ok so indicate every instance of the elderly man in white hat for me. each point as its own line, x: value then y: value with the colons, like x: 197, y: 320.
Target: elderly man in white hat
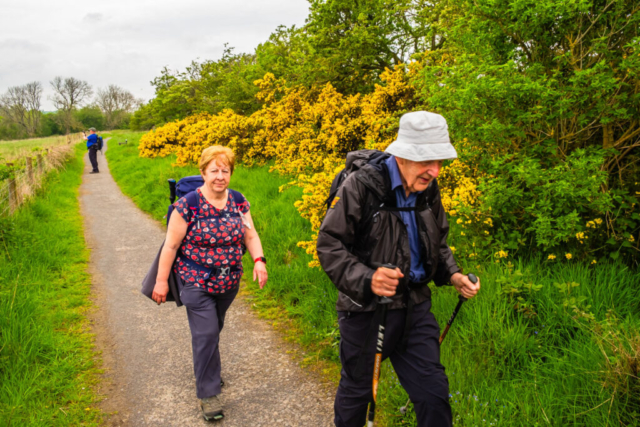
x: 385, y: 235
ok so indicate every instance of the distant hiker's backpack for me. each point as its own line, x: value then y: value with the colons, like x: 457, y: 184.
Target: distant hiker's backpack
x: 100, y: 143
x: 355, y: 161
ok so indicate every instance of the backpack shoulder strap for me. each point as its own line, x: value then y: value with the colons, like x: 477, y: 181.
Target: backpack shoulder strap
x: 192, y: 199
x: 397, y: 209
x: 238, y: 198
x: 192, y: 202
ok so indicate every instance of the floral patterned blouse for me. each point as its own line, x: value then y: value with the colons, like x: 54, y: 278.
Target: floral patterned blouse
x: 210, y: 255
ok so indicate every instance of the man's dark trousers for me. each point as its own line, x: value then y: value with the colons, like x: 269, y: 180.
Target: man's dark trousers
x: 418, y: 367
x: 93, y: 157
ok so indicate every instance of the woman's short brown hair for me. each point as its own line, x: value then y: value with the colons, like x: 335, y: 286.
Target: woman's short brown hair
x: 215, y: 152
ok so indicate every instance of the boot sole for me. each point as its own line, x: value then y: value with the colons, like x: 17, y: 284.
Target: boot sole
x: 216, y: 417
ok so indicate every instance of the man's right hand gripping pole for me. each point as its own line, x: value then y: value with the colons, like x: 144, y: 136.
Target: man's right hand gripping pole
x: 385, y: 280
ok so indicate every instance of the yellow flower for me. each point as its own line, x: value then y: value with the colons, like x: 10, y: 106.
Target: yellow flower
x: 453, y: 249
x: 593, y: 262
x: 462, y: 233
x: 486, y: 232
x: 551, y: 256
x: 459, y: 221
x: 569, y: 256
x: 501, y: 254
x: 598, y: 221
x: 591, y: 224
x: 631, y: 239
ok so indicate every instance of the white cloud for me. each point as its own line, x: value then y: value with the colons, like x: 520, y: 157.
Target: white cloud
x: 92, y: 18
x: 127, y: 43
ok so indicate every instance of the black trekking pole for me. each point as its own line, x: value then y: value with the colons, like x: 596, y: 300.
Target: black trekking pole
x: 383, y: 303
x: 461, y: 299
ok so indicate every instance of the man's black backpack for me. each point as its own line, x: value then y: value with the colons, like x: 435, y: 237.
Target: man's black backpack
x: 355, y: 161
x: 100, y: 143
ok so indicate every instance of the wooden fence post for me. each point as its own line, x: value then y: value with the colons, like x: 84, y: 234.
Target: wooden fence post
x: 13, y: 195
x: 32, y: 181
x: 40, y: 164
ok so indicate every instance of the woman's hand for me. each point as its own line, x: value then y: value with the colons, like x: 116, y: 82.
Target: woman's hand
x: 260, y: 272
x: 160, y: 291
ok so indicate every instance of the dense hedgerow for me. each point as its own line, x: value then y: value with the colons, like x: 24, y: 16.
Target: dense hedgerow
x: 542, y: 100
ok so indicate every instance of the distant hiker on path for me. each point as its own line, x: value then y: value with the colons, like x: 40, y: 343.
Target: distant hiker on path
x: 93, y: 147
x: 209, y: 237
x: 388, y: 211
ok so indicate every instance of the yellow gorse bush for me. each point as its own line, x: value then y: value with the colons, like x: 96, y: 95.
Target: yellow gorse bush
x: 308, y: 132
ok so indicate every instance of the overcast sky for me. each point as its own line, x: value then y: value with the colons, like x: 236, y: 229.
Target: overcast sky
x: 128, y: 42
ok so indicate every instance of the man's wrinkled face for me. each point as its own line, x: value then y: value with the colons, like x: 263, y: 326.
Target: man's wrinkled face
x: 416, y: 176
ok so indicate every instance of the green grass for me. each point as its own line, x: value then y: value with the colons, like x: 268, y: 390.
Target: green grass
x: 47, y: 366
x: 10, y: 150
x: 563, y: 365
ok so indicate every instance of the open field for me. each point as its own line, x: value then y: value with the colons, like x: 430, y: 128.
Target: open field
x: 10, y: 150
x: 544, y: 343
x: 47, y: 365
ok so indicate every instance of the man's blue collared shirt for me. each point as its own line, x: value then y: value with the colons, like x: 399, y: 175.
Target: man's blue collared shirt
x: 417, y: 273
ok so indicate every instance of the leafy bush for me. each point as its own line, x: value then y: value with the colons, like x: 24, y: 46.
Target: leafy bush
x: 545, y: 96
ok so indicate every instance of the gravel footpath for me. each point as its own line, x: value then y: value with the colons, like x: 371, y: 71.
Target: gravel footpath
x: 146, y: 349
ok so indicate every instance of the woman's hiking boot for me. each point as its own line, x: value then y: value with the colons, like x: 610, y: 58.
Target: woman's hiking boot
x: 211, y: 408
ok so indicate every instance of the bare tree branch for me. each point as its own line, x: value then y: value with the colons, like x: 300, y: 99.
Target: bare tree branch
x: 21, y: 105
x: 115, y: 103
x: 69, y: 94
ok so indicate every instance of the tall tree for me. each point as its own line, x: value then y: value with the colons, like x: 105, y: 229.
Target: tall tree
x: 21, y: 105
x: 354, y: 41
x: 69, y: 93
x: 115, y: 103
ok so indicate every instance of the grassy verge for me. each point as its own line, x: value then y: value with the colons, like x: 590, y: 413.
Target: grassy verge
x: 13, y: 149
x: 532, y: 349
x: 46, y: 361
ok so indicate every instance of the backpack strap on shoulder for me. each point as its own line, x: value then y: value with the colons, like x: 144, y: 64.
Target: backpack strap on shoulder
x: 192, y: 199
x: 192, y: 202
x: 238, y: 198
x: 394, y: 208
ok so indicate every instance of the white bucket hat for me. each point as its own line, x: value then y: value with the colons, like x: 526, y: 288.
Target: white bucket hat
x: 423, y: 136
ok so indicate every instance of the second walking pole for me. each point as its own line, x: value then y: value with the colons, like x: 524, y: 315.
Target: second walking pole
x: 461, y: 300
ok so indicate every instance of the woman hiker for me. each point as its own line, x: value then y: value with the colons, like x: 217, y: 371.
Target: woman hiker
x: 209, y: 264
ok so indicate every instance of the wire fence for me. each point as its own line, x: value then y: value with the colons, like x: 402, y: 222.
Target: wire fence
x: 26, y: 176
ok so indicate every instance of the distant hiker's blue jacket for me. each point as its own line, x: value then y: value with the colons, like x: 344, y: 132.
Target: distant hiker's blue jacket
x: 92, y: 139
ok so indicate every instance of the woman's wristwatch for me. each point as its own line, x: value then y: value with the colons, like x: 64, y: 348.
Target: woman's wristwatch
x: 260, y: 258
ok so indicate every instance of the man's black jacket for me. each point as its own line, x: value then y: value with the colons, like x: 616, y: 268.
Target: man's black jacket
x: 358, y: 234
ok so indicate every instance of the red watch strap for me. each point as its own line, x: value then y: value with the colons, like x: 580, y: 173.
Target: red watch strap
x: 258, y: 259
